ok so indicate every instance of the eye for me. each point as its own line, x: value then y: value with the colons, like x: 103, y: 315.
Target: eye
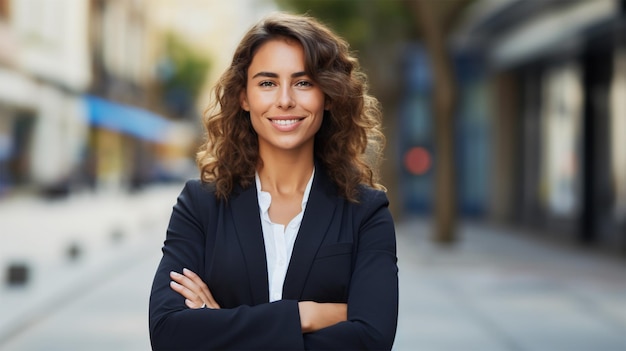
x: 266, y: 83
x: 304, y: 84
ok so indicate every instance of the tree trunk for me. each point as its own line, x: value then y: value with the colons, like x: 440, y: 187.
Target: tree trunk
x: 430, y: 21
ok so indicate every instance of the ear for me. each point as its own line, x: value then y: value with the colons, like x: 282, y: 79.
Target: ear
x: 327, y: 103
x: 243, y: 101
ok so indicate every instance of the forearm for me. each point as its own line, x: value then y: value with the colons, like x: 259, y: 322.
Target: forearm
x: 352, y: 335
x: 175, y: 325
x: 268, y: 326
x: 315, y: 316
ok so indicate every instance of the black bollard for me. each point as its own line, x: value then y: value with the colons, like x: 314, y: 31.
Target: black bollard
x: 73, y: 252
x: 17, y: 274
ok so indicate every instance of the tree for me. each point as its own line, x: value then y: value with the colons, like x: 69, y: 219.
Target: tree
x: 435, y: 20
x: 181, y: 72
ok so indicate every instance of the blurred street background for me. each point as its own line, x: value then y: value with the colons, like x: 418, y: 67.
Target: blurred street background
x: 505, y: 161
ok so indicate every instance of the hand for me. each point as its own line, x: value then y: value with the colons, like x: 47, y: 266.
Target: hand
x: 315, y: 316
x: 193, y: 289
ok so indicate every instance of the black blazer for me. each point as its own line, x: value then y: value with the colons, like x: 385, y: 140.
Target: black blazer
x: 344, y: 252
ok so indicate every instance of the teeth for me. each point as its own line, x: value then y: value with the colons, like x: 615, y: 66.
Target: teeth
x: 284, y: 122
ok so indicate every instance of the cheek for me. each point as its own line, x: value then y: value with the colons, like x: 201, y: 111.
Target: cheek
x: 317, y: 124
x: 260, y: 101
x: 319, y: 121
x: 315, y: 102
x: 256, y: 124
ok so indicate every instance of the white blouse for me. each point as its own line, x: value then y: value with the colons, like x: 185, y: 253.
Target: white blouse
x: 279, y: 240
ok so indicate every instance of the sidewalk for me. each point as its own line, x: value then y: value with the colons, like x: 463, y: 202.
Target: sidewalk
x: 495, y: 290
x: 107, y: 231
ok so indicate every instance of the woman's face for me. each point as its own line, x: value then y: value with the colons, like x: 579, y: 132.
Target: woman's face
x: 286, y: 107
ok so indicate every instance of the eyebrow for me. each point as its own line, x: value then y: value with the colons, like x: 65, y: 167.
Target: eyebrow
x: 274, y: 75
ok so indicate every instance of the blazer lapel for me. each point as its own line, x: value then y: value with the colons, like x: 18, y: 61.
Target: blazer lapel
x: 315, y: 222
x: 245, y: 210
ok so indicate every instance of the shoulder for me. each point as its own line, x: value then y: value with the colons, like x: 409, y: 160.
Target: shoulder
x: 196, y: 202
x: 200, y: 187
x: 371, y: 196
x: 371, y: 202
x: 367, y: 196
x: 373, y: 219
x: 198, y: 193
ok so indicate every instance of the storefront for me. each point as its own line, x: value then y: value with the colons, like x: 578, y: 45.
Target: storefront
x: 557, y: 70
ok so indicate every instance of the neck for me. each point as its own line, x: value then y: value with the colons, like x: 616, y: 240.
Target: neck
x: 285, y: 173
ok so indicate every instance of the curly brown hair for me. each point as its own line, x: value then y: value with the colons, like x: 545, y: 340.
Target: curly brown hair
x: 348, y: 144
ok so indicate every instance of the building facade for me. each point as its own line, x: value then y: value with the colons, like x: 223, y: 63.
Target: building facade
x: 81, y: 95
x: 556, y: 75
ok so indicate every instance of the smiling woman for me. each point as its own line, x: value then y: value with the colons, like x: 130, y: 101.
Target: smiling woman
x: 286, y: 242
x: 286, y: 108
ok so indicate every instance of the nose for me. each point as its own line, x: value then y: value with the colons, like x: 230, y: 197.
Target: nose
x: 285, y: 97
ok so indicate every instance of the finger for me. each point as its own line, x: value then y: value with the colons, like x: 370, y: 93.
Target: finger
x: 184, y: 280
x: 192, y: 285
x: 191, y: 275
x: 192, y: 300
x: 187, y: 283
x: 194, y: 305
x: 195, y: 279
x: 207, y: 295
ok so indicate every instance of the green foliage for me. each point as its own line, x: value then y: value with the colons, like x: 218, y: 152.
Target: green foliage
x: 188, y: 68
x: 182, y: 72
x: 363, y: 23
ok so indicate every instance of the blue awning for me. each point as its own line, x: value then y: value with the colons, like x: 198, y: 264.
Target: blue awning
x: 126, y: 119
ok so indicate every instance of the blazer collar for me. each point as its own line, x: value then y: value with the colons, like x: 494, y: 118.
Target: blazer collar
x: 317, y: 217
x: 245, y: 210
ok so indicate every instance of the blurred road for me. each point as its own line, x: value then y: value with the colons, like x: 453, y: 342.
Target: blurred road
x: 496, y: 290
x: 96, y: 300
x: 492, y: 291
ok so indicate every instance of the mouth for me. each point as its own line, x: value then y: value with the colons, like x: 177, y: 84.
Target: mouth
x: 286, y: 122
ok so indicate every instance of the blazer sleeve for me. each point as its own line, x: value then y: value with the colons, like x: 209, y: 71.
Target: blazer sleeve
x: 173, y: 326
x: 373, y: 293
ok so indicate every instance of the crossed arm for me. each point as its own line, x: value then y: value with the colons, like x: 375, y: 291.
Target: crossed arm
x: 313, y: 315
